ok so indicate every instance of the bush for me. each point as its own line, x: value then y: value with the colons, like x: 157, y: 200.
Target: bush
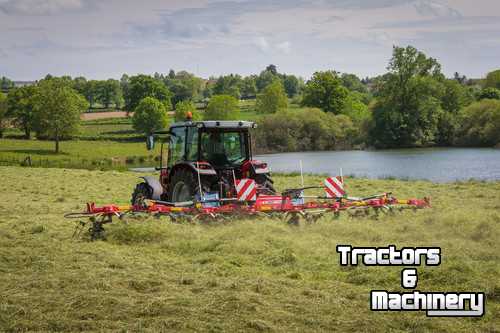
x: 493, y: 79
x: 222, y: 107
x: 305, y: 130
x: 480, y: 124
x: 489, y: 93
x: 149, y: 116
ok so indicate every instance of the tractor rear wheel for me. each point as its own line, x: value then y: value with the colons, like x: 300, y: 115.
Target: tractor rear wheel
x: 142, y: 192
x: 183, y: 186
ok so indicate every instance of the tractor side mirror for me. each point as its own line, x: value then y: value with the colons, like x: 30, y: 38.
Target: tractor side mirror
x: 150, y: 142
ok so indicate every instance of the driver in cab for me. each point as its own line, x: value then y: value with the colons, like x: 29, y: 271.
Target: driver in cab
x: 213, y: 149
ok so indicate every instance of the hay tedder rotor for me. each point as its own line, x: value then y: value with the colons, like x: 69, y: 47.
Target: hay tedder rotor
x: 208, y: 174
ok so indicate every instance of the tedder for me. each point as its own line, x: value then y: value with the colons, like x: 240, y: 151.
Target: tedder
x: 207, y: 173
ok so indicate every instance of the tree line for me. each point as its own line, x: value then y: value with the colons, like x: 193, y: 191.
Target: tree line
x: 412, y: 105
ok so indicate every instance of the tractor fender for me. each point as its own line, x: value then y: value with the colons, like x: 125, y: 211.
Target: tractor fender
x: 204, y: 168
x: 155, y: 185
x: 258, y: 167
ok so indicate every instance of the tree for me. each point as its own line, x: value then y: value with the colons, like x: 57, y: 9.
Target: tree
x: 353, y: 83
x: 325, y: 91
x: 265, y: 78
x: 109, y: 92
x: 272, y: 99
x: 150, y: 115
x: 171, y: 74
x: 3, y: 112
x: 273, y: 69
x: 184, y: 86
x: 20, y: 108
x: 90, y: 92
x: 493, y: 79
x: 222, y: 107
x: 79, y: 84
x: 182, y: 108
x: 408, y: 104
x: 142, y: 86
x: 208, y: 91
x: 228, y: 85
x: 416, y: 124
x: 489, y: 93
x: 57, y: 109
x: 125, y: 86
x: 480, y: 124
x: 248, y: 87
x: 291, y: 85
x: 355, y: 108
x: 455, y: 96
x: 6, y: 84
x: 462, y: 79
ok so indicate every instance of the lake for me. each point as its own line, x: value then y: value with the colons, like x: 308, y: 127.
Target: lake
x: 435, y: 164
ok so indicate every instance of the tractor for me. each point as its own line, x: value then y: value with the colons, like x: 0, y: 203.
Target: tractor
x: 203, y: 161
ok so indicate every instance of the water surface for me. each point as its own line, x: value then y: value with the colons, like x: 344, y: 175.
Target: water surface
x: 435, y: 164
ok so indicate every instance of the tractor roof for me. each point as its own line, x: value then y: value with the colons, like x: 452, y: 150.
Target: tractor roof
x: 216, y: 124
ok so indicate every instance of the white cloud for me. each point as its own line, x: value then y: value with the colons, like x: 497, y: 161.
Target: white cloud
x: 435, y: 9
x: 266, y: 47
x: 262, y: 44
x: 284, y: 47
x: 39, y: 7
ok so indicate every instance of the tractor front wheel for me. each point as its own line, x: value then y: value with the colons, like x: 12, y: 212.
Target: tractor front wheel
x: 142, y: 192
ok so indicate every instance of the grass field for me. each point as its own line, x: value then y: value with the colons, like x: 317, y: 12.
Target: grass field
x: 249, y: 275
x: 79, y: 154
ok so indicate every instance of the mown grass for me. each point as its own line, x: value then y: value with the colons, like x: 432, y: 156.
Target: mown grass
x: 247, y: 275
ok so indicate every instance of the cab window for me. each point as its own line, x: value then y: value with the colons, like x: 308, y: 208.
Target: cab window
x: 177, y: 145
x: 192, y: 144
x: 223, y: 148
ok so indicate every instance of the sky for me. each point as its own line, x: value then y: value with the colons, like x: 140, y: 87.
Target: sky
x: 105, y: 38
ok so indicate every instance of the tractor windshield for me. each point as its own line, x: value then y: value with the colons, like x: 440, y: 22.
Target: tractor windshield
x: 222, y: 148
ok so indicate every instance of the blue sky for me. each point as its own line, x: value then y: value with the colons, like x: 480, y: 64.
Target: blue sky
x: 101, y: 39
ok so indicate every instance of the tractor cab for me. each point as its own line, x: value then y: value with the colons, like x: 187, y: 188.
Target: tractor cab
x: 203, y: 157
x: 222, y: 144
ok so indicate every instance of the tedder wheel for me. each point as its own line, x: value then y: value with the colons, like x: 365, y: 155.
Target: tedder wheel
x: 142, y: 191
x: 183, y: 186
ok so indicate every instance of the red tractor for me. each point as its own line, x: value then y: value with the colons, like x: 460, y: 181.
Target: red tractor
x: 203, y: 161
